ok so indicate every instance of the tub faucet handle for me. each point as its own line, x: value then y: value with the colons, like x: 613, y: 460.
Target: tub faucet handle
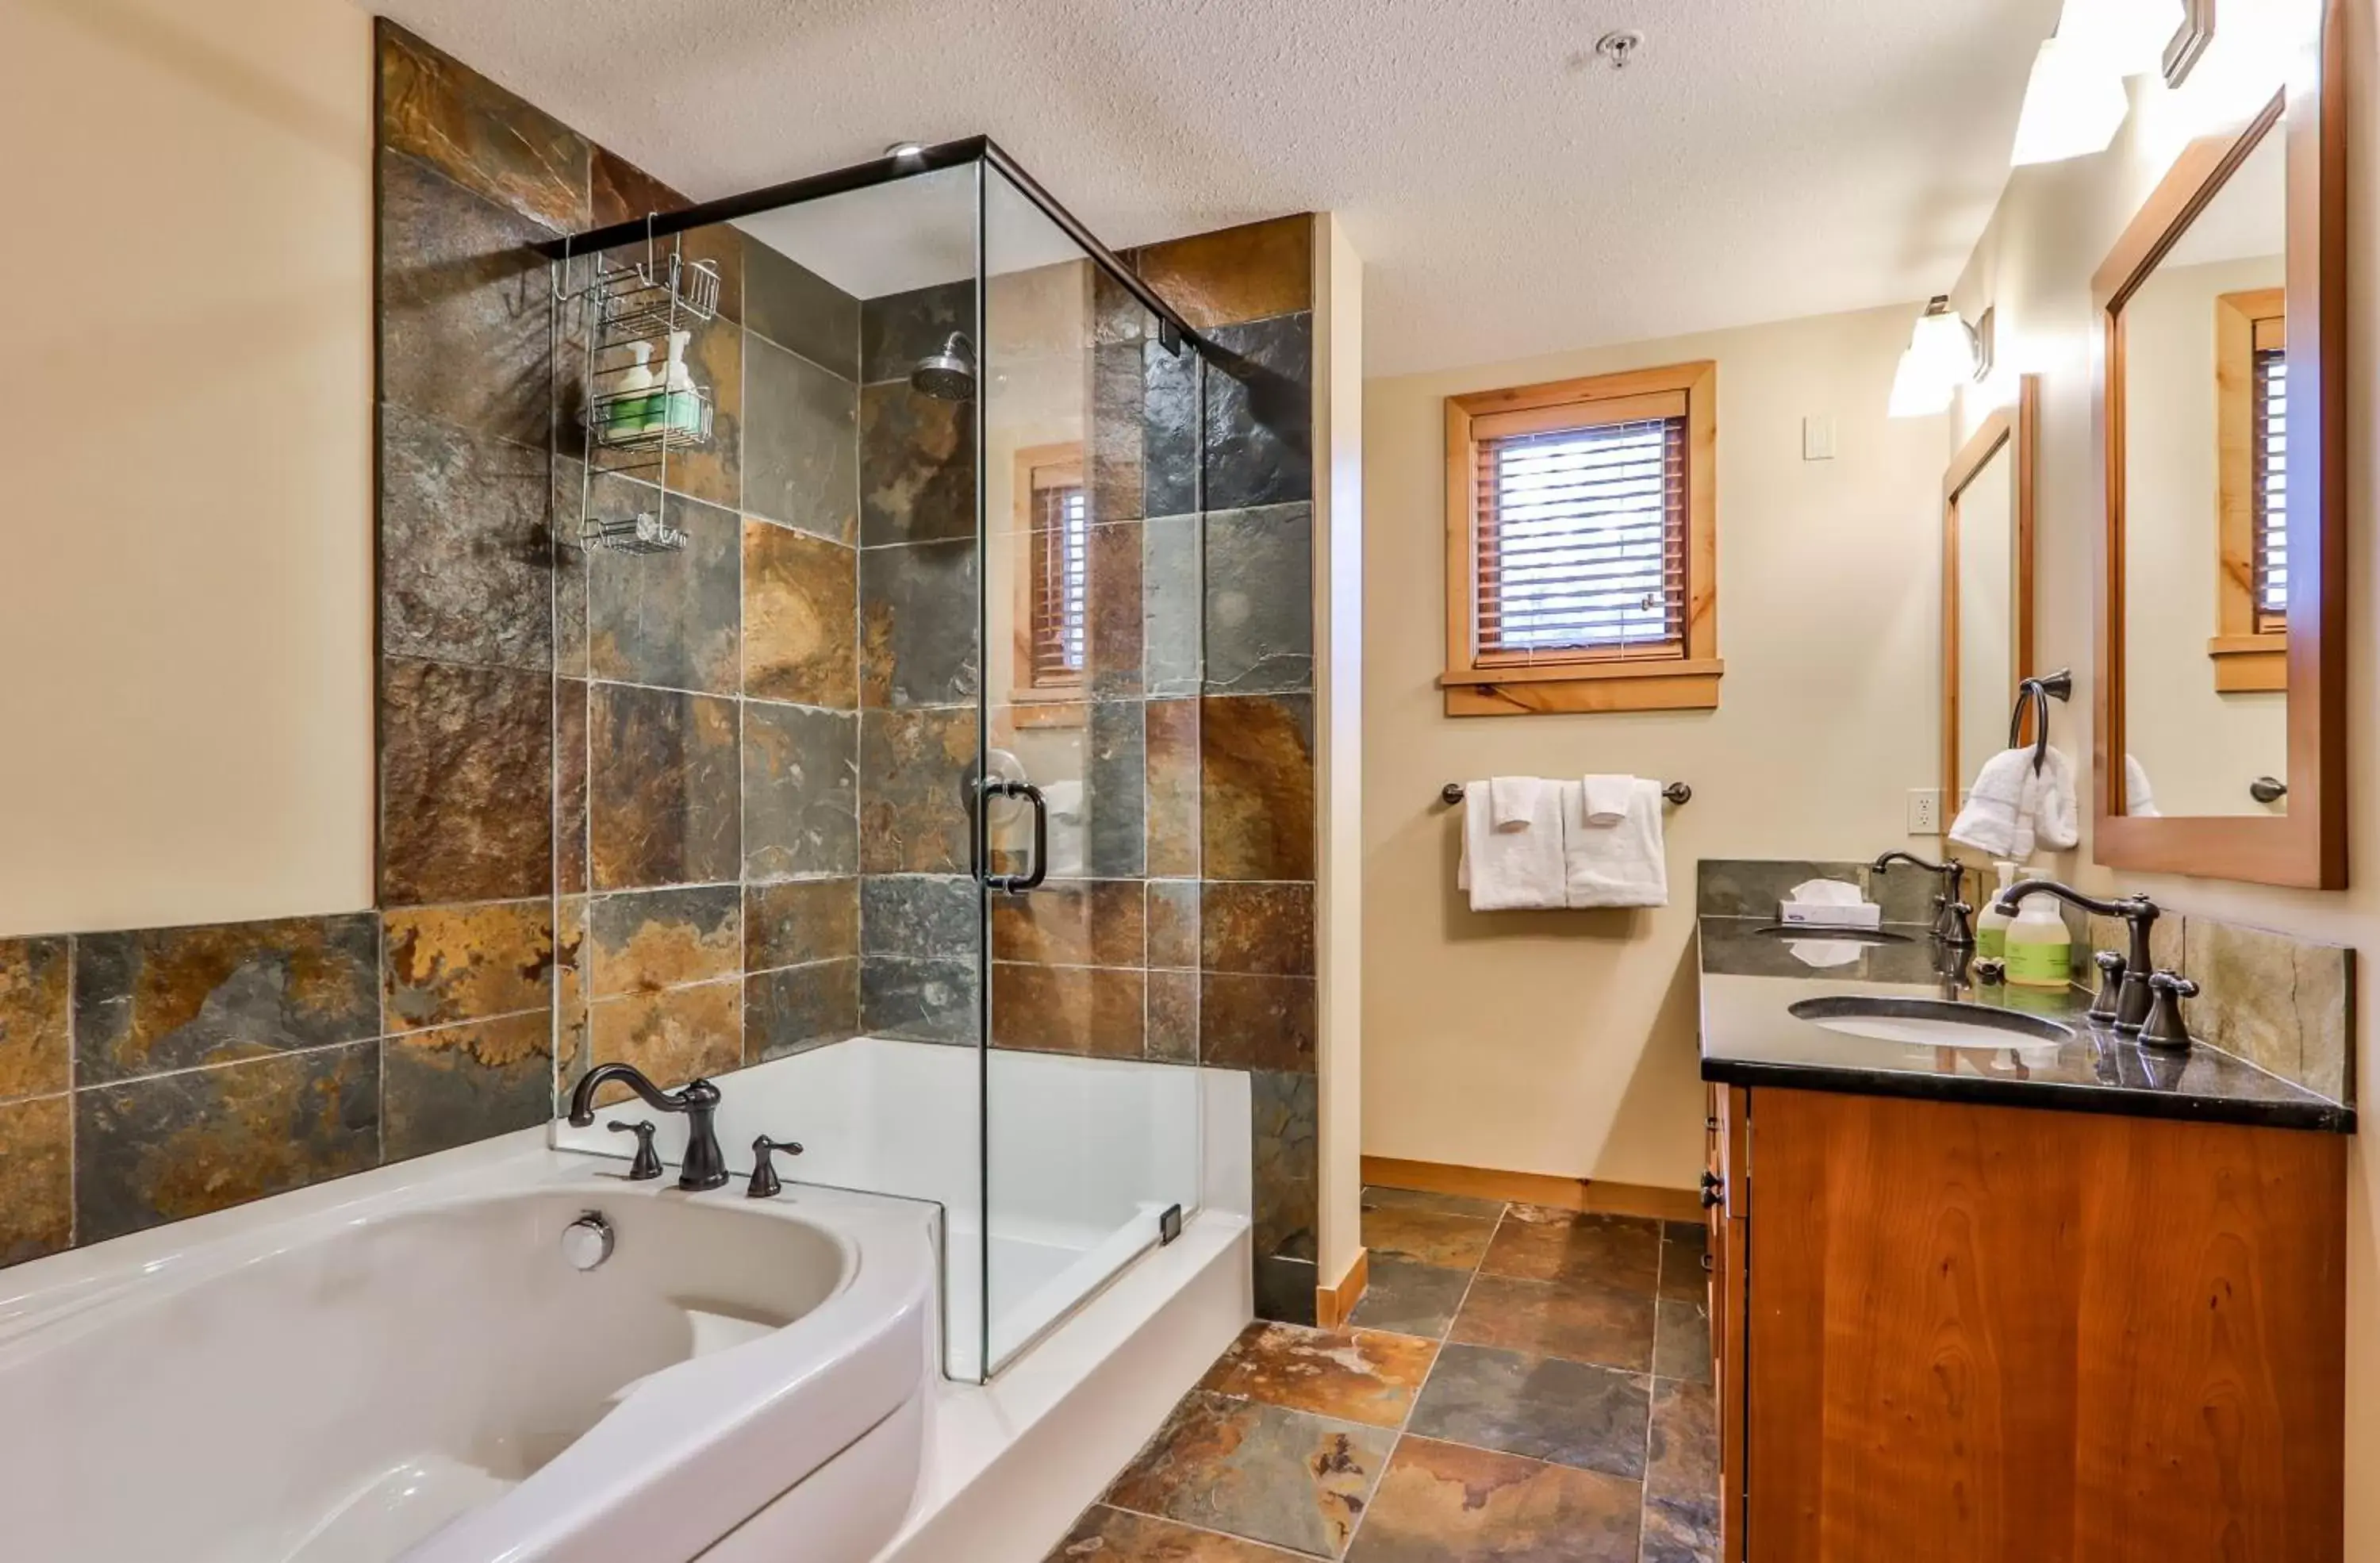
x: 765, y: 1183
x: 648, y: 1163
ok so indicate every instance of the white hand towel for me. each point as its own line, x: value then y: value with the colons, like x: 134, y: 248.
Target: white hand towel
x: 1512, y: 871
x: 2139, y: 801
x: 1607, y: 798
x: 1622, y: 865
x: 1513, y: 801
x: 2056, y: 819
x: 1997, y: 818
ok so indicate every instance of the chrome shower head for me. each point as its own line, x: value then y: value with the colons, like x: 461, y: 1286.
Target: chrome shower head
x: 948, y: 373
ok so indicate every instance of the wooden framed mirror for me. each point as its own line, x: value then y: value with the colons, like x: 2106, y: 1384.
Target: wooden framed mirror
x: 1986, y: 586
x: 2219, y: 740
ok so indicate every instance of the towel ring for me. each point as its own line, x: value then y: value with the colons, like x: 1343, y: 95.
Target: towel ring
x: 1676, y: 792
x: 2035, y: 694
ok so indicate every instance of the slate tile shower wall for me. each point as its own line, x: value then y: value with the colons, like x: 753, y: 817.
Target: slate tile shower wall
x: 1230, y: 754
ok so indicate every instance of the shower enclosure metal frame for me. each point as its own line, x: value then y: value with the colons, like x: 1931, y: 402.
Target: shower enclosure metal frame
x: 1176, y: 331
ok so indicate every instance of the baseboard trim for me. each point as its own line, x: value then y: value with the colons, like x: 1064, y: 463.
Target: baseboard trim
x: 1333, y: 1305
x: 1533, y: 1188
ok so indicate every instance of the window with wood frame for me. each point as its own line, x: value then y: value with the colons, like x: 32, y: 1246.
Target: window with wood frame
x: 2251, y: 643
x: 1052, y: 603
x: 1582, y: 546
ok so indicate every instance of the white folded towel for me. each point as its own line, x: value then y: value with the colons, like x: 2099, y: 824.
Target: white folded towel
x: 1513, y: 801
x: 1619, y: 864
x: 1512, y: 871
x: 1997, y: 818
x: 1606, y: 798
x: 2139, y: 802
x: 2056, y: 817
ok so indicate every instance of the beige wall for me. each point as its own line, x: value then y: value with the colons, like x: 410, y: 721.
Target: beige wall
x: 2053, y: 226
x: 1563, y: 1042
x: 186, y: 589
x: 1339, y: 394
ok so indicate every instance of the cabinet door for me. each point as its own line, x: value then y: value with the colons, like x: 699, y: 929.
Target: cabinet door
x: 1980, y: 1335
x: 1726, y: 1132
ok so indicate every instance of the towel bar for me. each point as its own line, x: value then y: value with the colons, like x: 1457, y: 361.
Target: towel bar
x: 1676, y: 792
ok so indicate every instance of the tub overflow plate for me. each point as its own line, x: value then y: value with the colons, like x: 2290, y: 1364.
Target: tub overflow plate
x: 586, y: 1241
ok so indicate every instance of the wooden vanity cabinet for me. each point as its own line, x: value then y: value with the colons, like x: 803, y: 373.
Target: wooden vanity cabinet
x: 1987, y: 1333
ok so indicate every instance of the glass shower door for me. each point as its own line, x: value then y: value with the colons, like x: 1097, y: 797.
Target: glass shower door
x: 1091, y: 632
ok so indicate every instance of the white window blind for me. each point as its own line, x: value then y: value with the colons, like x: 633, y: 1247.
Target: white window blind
x: 1061, y: 583
x: 1581, y: 544
x: 2270, y: 455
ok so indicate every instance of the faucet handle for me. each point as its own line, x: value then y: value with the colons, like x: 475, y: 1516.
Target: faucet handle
x: 2111, y: 983
x: 2165, y: 1028
x: 648, y: 1163
x: 1956, y: 931
x: 765, y: 1182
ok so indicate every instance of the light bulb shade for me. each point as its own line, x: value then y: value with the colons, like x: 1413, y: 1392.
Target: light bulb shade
x: 1917, y: 392
x: 1944, y: 344
x: 2073, y: 105
x: 2125, y: 37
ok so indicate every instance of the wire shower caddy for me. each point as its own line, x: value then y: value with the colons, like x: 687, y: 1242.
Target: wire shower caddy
x: 633, y: 419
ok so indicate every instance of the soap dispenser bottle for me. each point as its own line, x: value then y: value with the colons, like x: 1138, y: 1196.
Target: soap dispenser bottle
x: 685, y: 416
x: 2038, y: 945
x: 1991, y: 928
x: 631, y: 411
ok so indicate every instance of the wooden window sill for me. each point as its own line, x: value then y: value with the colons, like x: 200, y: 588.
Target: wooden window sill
x: 2250, y: 663
x: 1678, y: 685
x: 1047, y: 711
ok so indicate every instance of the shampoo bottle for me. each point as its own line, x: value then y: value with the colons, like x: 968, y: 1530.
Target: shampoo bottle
x: 1991, y: 925
x: 684, y: 407
x: 631, y: 411
x: 2038, y: 944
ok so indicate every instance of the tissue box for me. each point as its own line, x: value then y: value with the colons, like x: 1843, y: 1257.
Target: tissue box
x: 1833, y: 914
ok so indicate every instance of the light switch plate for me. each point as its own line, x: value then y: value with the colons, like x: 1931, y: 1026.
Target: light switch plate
x: 1924, y: 811
x: 1817, y: 438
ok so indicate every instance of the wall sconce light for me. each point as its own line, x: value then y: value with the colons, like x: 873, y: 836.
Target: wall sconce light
x: 2189, y: 41
x: 2073, y: 105
x: 1941, y: 355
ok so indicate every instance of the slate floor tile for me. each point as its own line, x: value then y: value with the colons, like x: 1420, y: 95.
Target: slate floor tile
x: 1546, y: 1408
x: 1428, y: 1236
x: 1118, y: 1536
x: 1377, y: 1195
x: 1581, y: 1319
x: 1411, y: 1298
x: 1442, y: 1503
x: 1360, y: 1375
x: 1682, y: 1342
x: 1285, y: 1477
x: 1540, y: 1244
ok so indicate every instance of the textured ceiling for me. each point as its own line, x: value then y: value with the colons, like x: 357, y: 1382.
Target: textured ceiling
x: 1508, y: 192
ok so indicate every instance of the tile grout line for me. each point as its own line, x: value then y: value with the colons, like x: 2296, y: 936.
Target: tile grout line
x: 1645, y: 1483
x: 1403, y: 1427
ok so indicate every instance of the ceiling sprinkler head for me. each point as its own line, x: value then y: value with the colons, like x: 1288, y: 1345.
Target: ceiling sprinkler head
x: 1620, y: 47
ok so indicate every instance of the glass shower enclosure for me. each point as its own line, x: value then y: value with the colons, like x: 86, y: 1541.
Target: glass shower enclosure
x: 881, y: 634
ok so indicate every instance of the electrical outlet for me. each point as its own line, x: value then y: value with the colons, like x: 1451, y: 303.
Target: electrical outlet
x: 1924, y: 811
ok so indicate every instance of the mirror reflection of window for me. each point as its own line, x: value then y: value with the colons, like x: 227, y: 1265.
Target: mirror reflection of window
x: 2205, y: 507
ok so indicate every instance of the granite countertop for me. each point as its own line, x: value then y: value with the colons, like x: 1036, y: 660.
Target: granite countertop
x: 1748, y: 1039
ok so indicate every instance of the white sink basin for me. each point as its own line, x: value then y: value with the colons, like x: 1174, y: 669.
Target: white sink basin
x: 1929, y: 1023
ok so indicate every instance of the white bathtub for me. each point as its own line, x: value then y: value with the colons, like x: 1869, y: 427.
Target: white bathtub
x: 1085, y: 1155
x: 403, y: 1366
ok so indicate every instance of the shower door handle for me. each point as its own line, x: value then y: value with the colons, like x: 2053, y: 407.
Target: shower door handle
x: 1017, y: 884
